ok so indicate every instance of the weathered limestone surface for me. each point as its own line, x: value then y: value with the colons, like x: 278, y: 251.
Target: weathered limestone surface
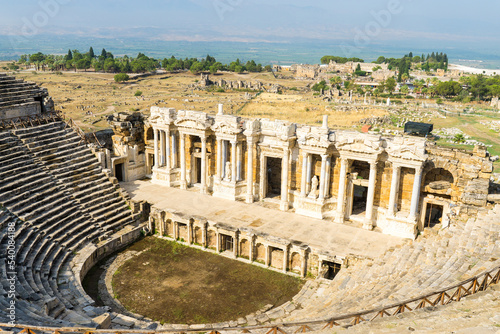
x: 386, y: 182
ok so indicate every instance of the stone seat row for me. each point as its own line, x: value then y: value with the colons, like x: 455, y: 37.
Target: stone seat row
x: 427, y: 265
x: 65, y: 204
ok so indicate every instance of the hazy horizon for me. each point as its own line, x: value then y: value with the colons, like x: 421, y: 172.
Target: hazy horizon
x: 357, y: 28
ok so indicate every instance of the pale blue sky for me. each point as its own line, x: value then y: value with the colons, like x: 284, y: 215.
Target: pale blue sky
x: 259, y: 20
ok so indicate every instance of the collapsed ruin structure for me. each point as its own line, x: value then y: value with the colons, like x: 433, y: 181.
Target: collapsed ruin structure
x: 19, y: 98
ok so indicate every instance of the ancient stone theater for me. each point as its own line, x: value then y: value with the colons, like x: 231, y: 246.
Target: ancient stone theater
x: 379, y: 225
x: 396, y: 183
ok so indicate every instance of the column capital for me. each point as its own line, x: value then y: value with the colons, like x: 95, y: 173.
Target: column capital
x: 324, y: 156
x: 396, y: 165
x: 419, y: 169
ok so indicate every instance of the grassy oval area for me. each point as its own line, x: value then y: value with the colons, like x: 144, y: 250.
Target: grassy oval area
x: 173, y: 283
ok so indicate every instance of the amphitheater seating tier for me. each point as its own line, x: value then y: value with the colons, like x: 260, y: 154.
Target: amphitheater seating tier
x: 52, y: 187
x: 16, y: 91
x: 435, y: 261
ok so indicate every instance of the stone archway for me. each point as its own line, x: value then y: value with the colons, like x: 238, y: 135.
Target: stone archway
x: 438, y: 181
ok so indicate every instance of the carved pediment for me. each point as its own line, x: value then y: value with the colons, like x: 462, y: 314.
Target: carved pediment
x: 406, y: 153
x: 366, y: 147
x: 279, y: 129
x: 227, y: 128
x: 314, y: 139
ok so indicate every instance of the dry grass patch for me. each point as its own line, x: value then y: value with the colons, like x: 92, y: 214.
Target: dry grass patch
x: 172, y: 283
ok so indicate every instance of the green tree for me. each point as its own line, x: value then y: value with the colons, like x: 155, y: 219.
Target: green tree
x: 91, y: 53
x: 320, y: 86
x: 196, y: 68
x: 459, y: 138
x: 390, y: 85
x: 405, y: 89
x: 215, y: 67
x: 336, y: 80
x: 83, y: 64
x: 69, y: 56
x: 121, y: 77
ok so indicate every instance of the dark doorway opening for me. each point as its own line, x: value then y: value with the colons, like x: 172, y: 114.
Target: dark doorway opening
x: 331, y: 269
x: 433, y: 215
x: 273, y: 177
x: 227, y: 243
x: 198, y: 170
x: 359, y: 199
x: 119, y: 172
x: 39, y: 99
x: 151, y: 158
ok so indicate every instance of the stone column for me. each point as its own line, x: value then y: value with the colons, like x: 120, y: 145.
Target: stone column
x: 303, y: 185
x: 342, y: 189
x: 268, y: 254
x: 415, y: 196
x: 162, y: 148
x: 168, y: 157
x: 368, y: 224
x: 233, y: 161
x: 160, y: 227
x: 217, y: 241
x: 238, y: 161
x: 263, y: 173
x: 309, y: 173
x: 157, y: 157
x: 190, y: 232
x: 285, y: 258
x: 183, y: 161
x: 204, y: 188
x: 174, y: 150
x: 219, y: 159
x: 251, y: 248
x: 235, y: 244
x: 204, y: 235
x: 396, y: 171
x: 328, y: 176
x: 303, y: 267
x: 176, y: 229
x: 250, y: 144
x: 284, y: 181
x: 322, y: 180
x: 224, y: 158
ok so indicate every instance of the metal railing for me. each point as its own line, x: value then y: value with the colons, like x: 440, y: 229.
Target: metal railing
x: 441, y: 297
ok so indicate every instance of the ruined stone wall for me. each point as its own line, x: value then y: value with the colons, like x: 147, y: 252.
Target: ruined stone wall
x: 471, y: 173
x: 21, y: 110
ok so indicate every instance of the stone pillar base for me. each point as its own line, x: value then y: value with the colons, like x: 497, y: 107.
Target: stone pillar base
x: 368, y: 225
x: 204, y: 189
x: 249, y: 199
x: 284, y: 206
x: 183, y: 185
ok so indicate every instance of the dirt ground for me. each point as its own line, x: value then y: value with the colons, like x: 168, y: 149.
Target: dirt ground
x: 172, y: 283
x: 88, y: 97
